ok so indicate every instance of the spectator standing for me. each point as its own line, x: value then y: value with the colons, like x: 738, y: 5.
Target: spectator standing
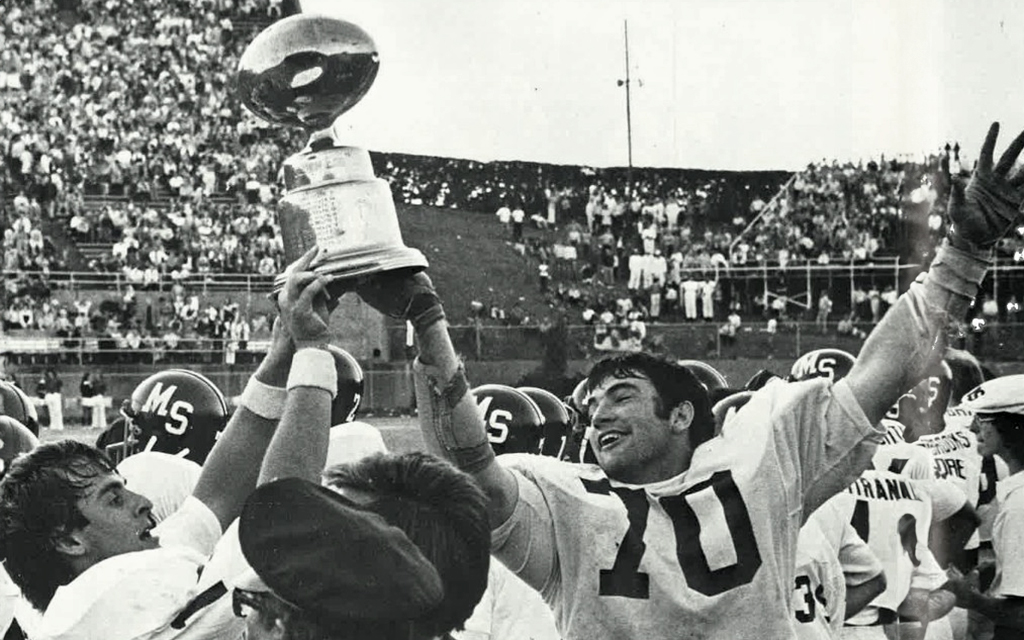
x: 545, y: 277
x: 87, y: 391
x: 52, y: 387
x: 689, y: 289
x: 518, y: 217
x: 505, y: 218
x: 824, y: 309
x: 707, y: 290
x: 875, y: 301
x: 1012, y: 309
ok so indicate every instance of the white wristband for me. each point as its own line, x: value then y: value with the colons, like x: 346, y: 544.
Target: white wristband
x: 313, y: 367
x: 263, y: 400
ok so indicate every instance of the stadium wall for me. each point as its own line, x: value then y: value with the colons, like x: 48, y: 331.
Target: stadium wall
x: 388, y: 387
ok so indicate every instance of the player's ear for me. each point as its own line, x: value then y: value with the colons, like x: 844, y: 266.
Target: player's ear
x: 681, y: 417
x: 69, y: 543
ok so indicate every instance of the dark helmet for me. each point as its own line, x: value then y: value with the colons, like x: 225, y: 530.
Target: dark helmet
x: 922, y: 409
x: 14, y: 403
x: 15, y: 440
x: 350, y: 386
x: 729, y: 405
x: 514, y: 421
x: 175, y: 411
x: 760, y: 379
x: 558, y: 422
x: 708, y: 375
x: 833, y: 364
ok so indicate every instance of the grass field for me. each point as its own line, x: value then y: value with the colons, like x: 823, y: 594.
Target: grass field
x: 400, y: 434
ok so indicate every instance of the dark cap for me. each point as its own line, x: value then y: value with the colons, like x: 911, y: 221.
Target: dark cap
x: 333, y: 560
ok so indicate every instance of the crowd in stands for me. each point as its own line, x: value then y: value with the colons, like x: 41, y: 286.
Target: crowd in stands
x: 122, y: 124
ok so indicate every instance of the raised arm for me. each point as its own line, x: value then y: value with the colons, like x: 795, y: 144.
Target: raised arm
x: 299, y: 446
x: 913, y: 333
x: 451, y: 422
x: 233, y: 467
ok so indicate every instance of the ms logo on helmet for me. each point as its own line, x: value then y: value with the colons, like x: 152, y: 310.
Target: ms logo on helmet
x: 160, y: 403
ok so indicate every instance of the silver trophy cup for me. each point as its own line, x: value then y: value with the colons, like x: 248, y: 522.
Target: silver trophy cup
x: 305, y: 71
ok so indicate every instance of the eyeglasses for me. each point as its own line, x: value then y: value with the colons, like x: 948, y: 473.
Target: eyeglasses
x: 244, y: 602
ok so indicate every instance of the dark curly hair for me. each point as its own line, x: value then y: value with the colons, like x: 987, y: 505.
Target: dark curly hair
x: 674, y: 384
x: 443, y: 512
x: 38, y: 504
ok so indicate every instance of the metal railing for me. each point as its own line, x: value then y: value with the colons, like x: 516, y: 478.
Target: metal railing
x: 998, y: 341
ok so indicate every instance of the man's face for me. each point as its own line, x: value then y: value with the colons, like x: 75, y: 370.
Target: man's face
x: 989, y: 441
x: 120, y: 521
x: 632, y: 443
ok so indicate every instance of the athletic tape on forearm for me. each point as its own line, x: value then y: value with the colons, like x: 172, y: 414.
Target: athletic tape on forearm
x: 953, y: 279
x: 314, y: 368
x: 959, y: 271
x: 424, y: 310
x: 263, y: 400
x: 936, y: 301
x: 451, y: 418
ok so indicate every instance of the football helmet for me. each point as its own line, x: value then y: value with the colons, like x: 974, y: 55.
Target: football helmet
x: 514, y: 421
x: 577, y: 446
x: 557, y: 421
x: 350, y: 386
x: 760, y: 379
x: 727, y: 406
x: 922, y: 409
x: 833, y: 364
x: 14, y: 403
x: 15, y: 440
x: 175, y: 411
x: 708, y: 375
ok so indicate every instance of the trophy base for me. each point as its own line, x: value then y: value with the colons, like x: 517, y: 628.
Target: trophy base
x: 343, y: 271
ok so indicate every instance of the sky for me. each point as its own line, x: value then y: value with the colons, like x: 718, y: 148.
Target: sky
x: 715, y: 84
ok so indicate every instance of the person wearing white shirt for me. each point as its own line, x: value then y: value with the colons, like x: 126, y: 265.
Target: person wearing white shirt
x: 998, y: 408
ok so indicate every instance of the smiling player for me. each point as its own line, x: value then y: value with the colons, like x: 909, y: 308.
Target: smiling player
x: 676, y: 533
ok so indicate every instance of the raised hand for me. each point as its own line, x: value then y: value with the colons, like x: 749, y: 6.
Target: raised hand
x: 305, y: 304
x: 403, y: 295
x: 989, y: 205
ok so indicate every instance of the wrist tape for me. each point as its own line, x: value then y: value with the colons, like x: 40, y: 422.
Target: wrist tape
x: 957, y: 271
x: 424, y: 310
x: 314, y: 368
x: 263, y: 400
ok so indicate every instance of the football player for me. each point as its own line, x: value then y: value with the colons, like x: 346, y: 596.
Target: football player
x: 837, y: 574
x: 558, y: 422
x: 15, y: 617
x: 350, y: 386
x: 676, y: 531
x: 894, y: 514
x: 509, y: 608
x: 15, y: 404
x: 85, y: 549
x: 893, y: 453
x: 177, y: 411
x: 514, y: 422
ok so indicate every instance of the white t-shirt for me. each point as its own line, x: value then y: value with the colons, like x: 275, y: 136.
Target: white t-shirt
x: 713, y: 548
x: 509, y: 610
x: 1008, y: 537
x: 137, y: 595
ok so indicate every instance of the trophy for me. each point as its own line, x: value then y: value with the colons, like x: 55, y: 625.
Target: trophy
x: 305, y: 71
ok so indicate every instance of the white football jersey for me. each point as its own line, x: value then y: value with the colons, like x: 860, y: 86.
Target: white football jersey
x: 829, y: 554
x: 893, y: 514
x: 710, y: 553
x: 905, y: 459
x: 956, y: 459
